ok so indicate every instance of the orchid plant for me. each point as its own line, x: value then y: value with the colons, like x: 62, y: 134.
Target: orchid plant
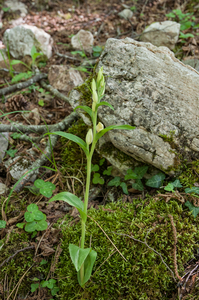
x: 84, y: 258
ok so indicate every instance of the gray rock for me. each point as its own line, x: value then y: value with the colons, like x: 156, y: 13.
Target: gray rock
x: 152, y: 90
x: 162, y: 34
x: 83, y: 40
x: 3, y: 144
x: 17, y: 5
x: 3, y: 188
x: 22, y: 38
x: 18, y: 169
x: 126, y: 14
x: 193, y: 62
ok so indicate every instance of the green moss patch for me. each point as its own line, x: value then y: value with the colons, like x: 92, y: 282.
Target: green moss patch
x: 143, y: 276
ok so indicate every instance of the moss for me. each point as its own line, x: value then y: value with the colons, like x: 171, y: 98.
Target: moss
x: 143, y: 276
x: 190, y: 174
x: 169, y: 139
x: 18, y: 265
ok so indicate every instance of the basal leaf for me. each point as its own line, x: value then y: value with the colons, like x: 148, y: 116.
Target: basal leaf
x: 156, y: 181
x: 78, y: 255
x: 73, y: 138
x: 88, y: 267
x: 70, y: 199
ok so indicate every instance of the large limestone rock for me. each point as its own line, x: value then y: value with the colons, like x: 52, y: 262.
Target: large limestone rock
x: 162, y: 34
x: 152, y: 90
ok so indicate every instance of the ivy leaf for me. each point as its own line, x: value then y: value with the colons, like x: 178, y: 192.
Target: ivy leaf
x: 169, y: 187
x: 156, y: 181
x: 124, y: 188
x: 194, y: 189
x: 177, y: 183
x: 138, y: 185
x: 194, y: 210
x: 140, y: 171
x: 130, y: 175
x: 34, y: 286
x: 115, y: 181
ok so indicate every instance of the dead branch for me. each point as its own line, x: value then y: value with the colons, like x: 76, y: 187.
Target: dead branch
x: 22, y: 85
x: 54, y: 91
x: 12, y: 256
x: 16, y: 127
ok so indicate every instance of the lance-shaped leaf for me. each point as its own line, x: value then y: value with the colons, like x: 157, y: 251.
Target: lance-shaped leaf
x: 86, y: 109
x: 72, y: 200
x: 105, y: 103
x: 78, y: 255
x: 88, y: 267
x: 102, y: 132
x: 73, y: 138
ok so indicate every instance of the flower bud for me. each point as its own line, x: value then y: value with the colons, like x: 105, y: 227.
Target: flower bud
x: 93, y: 106
x: 95, y: 96
x: 89, y: 137
x: 100, y: 75
x: 93, y: 85
x: 99, y: 127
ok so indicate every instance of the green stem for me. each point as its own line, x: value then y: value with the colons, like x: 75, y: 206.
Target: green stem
x: 88, y: 178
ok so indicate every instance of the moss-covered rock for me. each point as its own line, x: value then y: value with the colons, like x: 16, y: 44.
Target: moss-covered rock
x: 143, y: 276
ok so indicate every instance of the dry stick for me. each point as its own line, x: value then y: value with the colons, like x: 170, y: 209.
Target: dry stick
x: 174, y: 250
x: 16, y: 127
x: 67, y: 57
x: 18, y: 284
x: 12, y: 256
x: 108, y: 238
x: 54, y: 91
x: 22, y: 85
x: 145, y: 243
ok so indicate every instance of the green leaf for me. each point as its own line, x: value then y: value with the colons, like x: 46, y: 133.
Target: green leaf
x: 185, y: 25
x: 97, y: 179
x: 11, y: 152
x: 30, y: 227
x: 73, y: 138
x: 94, y: 168
x: 124, y: 188
x: 101, y: 162
x: 15, y: 62
x: 156, y: 181
x: 2, y: 224
x: 20, y: 225
x: 86, y: 109
x: 33, y: 234
x: 39, y: 183
x: 41, y: 102
x: 177, y: 183
x: 130, y: 175
x: 29, y: 217
x: 194, y: 210
x: 15, y: 135
x: 104, y: 103
x: 41, y: 225
x: 38, y: 215
x: 138, y: 185
x: 21, y: 76
x: 108, y: 171
x: 194, y: 190
x: 185, y: 36
x: 32, y: 207
x: 169, y: 187
x: 33, y: 189
x: 54, y: 291
x: 34, y: 286
x: 33, y: 50
x: 69, y: 198
x: 88, y: 267
x: 140, y: 171
x: 97, y: 49
x: 115, y: 181
x: 121, y: 127
x: 43, y: 262
x: 78, y: 255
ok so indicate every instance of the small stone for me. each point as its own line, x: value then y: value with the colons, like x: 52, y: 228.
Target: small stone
x: 83, y: 40
x: 126, y: 14
x: 3, y: 188
x: 17, y: 5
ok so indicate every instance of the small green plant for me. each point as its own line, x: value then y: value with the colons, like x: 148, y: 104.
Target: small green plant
x: 97, y: 50
x: 50, y: 284
x: 81, y: 53
x: 45, y: 188
x: 84, y: 258
x: 156, y: 181
x: 170, y: 187
x: 194, y: 191
x: 36, y: 220
x: 2, y: 224
x: 11, y: 152
x: 186, y: 22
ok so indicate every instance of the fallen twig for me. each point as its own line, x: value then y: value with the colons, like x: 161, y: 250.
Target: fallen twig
x: 22, y: 85
x: 54, y: 91
x: 12, y: 256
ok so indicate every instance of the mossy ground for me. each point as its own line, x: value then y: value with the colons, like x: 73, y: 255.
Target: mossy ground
x: 143, y: 276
